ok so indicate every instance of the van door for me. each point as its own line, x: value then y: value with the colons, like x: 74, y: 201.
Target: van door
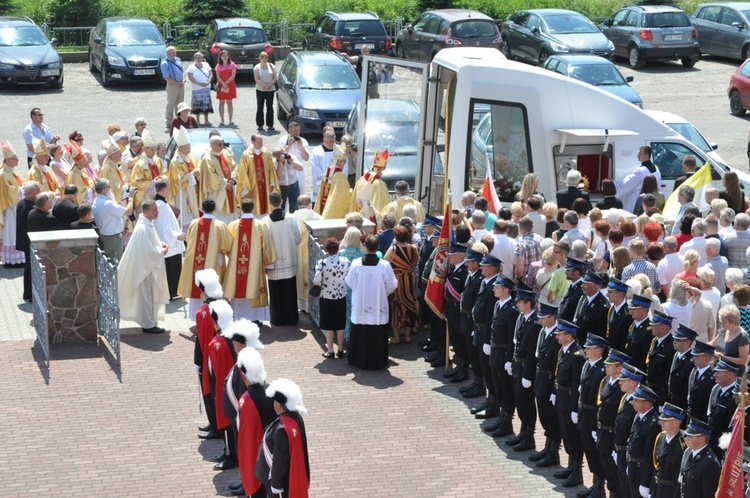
x: 668, y: 156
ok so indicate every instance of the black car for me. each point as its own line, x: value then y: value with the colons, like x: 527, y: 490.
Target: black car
x: 243, y: 38
x: 348, y: 33
x: 26, y: 55
x: 127, y: 49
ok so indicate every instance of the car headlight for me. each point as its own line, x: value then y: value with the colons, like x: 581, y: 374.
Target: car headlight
x: 115, y: 61
x: 558, y: 47
x: 54, y: 65
x: 610, y: 46
x: 306, y: 113
x: 6, y: 66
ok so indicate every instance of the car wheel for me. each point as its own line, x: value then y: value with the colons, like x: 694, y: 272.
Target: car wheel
x: 735, y: 104
x: 106, y: 80
x: 92, y: 66
x: 58, y: 83
x: 543, y: 55
x: 280, y: 112
x: 400, y: 51
x: 634, y: 58
x: 506, y: 49
x: 689, y: 62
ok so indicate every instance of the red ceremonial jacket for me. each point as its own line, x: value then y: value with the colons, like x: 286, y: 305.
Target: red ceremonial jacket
x: 222, y: 357
x: 205, y: 329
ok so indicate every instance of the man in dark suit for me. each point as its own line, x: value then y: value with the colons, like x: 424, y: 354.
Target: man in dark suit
x: 610, y: 395
x: 40, y: 219
x: 30, y: 190
x: 66, y: 208
x: 618, y: 316
x: 700, y: 381
x: 642, y: 440
x: 659, y: 359
x: 570, y: 361
x: 700, y: 470
x: 629, y: 378
x: 523, y: 368
x: 639, y: 334
x: 670, y: 446
x: 574, y: 271
x: 566, y: 196
x: 544, y: 387
x: 591, y: 379
x: 592, y: 309
x: 468, y: 299
x: 454, y: 287
x: 682, y: 365
x: 688, y: 167
x: 482, y: 313
x: 721, y: 404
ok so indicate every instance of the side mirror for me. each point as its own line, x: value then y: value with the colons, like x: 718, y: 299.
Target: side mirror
x: 740, y: 26
x: 310, y: 29
x: 409, y: 28
x: 607, y: 22
x: 713, y: 145
x: 288, y: 85
x: 629, y: 79
x: 170, y: 39
x: 97, y: 40
x: 53, y: 42
x: 535, y: 30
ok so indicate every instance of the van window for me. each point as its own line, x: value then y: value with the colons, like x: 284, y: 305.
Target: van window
x: 710, y: 13
x: 501, y: 141
x: 474, y: 29
x: 666, y: 20
x: 667, y: 156
x: 729, y: 16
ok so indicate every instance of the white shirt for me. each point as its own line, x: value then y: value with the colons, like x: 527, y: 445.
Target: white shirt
x: 168, y: 229
x: 540, y: 223
x: 319, y: 161
x: 33, y: 131
x: 669, y: 267
x: 505, y: 251
x: 370, y: 288
x: 108, y: 216
x: 698, y: 244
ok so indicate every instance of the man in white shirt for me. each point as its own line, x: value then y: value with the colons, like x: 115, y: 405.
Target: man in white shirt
x: 698, y: 242
x: 287, y: 169
x: 534, y: 211
x: 670, y: 265
x: 36, y: 129
x: 108, y: 216
x: 296, y: 146
x: 726, y: 219
x: 505, y: 248
x: 169, y: 231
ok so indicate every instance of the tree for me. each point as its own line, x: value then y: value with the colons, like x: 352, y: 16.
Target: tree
x: 6, y: 7
x: 75, y: 12
x: 202, y: 11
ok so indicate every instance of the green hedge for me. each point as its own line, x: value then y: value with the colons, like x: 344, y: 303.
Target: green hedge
x: 299, y: 11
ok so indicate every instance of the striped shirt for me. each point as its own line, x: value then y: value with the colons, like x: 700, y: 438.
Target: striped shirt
x: 642, y: 266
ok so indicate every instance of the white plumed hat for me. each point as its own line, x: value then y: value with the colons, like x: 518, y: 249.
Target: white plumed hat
x: 245, y: 332
x: 288, y: 394
x: 251, y: 365
x: 222, y: 313
x: 208, y: 281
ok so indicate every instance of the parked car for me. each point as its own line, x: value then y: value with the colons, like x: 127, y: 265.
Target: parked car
x: 26, y: 55
x: 723, y: 29
x: 348, y: 33
x: 739, y: 90
x: 316, y: 89
x: 596, y: 71
x: 644, y: 33
x: 199, y: 143
x: 439, y: 29
x: 533, y: 35
x: 243, y: 38
x: 689, y: 132
x: 127, y: 48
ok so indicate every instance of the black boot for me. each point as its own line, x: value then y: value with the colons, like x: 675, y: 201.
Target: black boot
x: 461, y: 376
x: 565, y: 472
x: 586, y: 492
x: 471, y: 386
x: 478, y: 390
x: 576, y: 476
x: 527, y: 443
x: 492, y: 427
x: 538, y: 455
x: 512, y: 441
x: 487, y: 402
x: 506, y: 427
x: 599, y: 490
x: 552, y: 458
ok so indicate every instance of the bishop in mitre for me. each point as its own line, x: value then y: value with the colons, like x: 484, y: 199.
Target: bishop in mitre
x: 184, y: 174
x: 218, y: 176
x: 147, y: 170
x: 256, y: 178
x: 78, y: 175
x: 245, y: 279
x: 142, y: 276
x: 11, y: 185
x: 111, y: 170
x: 39, y: 170
x: 370, y: 193
x: 334, y: 187
x: 304, y: 214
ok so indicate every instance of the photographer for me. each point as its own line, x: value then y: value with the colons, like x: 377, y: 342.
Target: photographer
x: 108, y: 216
x: 287, y: 167
x: 295, y: 145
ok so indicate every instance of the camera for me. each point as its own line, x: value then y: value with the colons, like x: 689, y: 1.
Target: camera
x: 226, y: 144
x: 295, y: 138
x: 354, y: 147
x: 287, y: 157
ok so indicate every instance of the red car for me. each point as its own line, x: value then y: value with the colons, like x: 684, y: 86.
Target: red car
x: 739, y: 90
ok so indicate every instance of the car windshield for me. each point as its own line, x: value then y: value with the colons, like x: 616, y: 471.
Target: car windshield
x: 328, y: 78
x: 691, y: 133
x: 21, y: 36
x: 597, y: 74
x: 666, y: 20
x: 474, y: 29
x: 566, y: 24
x: 362, y: 28
x: 125, y: 36
x: 745, y: 14
x: 241, y: 36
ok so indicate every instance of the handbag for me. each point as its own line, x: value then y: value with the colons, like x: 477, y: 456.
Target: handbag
x: 315, y: 290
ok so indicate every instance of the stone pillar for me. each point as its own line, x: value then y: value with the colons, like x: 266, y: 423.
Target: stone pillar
x: 69, y: 258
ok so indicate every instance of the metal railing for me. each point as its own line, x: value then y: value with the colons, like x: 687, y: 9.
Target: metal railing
x: 108, y: 309
x: 39, y: 302
x: 315, y: 254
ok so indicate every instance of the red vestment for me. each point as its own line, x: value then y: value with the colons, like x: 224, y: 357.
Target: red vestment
x: 249, y: 439
x: 260, y: 182
x: 205, y: 329
x: 222, y: 361
x: 299, y: 482
x: 201, y: 247
x: 245, y: 237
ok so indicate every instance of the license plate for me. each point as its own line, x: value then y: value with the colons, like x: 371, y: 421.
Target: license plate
x: 244, y: 66
x: 360, y: 46
x: 336, y: 124
x: 672, y: 37
x: 144, y: 72
x: 50, y: 72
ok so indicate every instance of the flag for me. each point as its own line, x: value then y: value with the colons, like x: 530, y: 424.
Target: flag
x: 700, y: 181
x: 732, y: 480
x: 434, y: 295
x: 489, y: 192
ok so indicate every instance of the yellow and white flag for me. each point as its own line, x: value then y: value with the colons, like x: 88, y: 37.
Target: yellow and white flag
x: 700, y: 181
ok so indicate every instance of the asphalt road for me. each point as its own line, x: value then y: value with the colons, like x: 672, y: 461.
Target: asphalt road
x: 698, y: 94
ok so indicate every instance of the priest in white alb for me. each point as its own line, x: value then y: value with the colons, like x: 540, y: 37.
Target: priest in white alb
x: 170, y: 232
x: 245, y: 278
x: 10, y: 195
x: 141, y: 274
x: 183, y: 179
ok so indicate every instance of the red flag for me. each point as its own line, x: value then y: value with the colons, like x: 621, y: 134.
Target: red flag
x: 435, y: 293
x: 732, y: 481
x: 489, y: 192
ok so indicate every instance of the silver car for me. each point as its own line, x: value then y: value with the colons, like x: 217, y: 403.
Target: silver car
x: 723, y: 29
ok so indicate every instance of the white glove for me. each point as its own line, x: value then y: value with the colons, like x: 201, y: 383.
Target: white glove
x: 508, y: 368
x: 552, y: 399
x: 574, y: 417
x: 594, y: 436
x: 277, y: 491
x: 486, y: 349
x: 197, y: 368
x: 643, y: 490
x: 526, y: 383
x: 614, y: 456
